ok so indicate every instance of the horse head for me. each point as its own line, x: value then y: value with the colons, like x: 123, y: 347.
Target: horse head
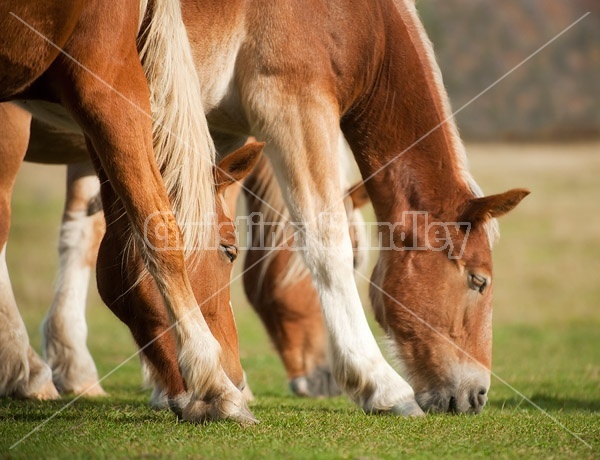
x: 221, y: 255
x: 436, y: 304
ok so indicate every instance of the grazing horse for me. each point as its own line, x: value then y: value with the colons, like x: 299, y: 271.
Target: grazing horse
x: 273, y: 284
x: 142, y: 115
x: 82, y: 229
x: 292, y: 74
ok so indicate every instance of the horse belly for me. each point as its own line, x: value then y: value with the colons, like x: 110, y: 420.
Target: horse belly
x: 55, y: 137
x: 50, y: 113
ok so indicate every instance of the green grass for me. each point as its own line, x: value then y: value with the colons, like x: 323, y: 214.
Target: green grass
x: 546, y: 345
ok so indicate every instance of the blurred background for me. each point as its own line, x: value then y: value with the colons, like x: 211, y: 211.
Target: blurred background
x: 552, y: 97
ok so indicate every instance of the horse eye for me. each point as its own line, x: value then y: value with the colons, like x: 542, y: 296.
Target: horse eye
x: 230, y: 251
x: 477, y: 282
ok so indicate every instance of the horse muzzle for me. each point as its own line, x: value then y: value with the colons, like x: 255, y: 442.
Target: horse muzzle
x: 465, y: 395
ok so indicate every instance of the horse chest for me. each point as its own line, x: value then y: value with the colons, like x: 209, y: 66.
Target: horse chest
x: 219, y: 80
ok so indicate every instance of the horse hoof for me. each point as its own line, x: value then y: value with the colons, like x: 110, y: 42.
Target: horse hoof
x: 408, y: 409
x: 318, y: 384
x: 221, y: 408
x: 47, y: 392
x: 299, y: 386
x: 89, y: 390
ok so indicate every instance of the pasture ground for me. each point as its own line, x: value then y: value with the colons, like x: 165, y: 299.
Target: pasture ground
x: 546, y: 344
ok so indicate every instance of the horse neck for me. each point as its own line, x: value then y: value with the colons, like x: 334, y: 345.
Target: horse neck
x: 404, y: 113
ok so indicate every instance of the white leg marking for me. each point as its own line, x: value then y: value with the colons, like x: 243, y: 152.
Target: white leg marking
x: 357, y: 363
x: 213, y: 396
x: 22, y: 372
x: 65, y: 328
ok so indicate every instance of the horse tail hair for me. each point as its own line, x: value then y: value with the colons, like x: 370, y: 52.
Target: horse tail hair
x: 183, y: 147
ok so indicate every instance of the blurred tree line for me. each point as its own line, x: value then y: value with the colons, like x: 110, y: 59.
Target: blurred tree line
x: 553, y: 96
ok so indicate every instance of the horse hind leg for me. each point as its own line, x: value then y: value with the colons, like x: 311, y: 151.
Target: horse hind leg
x: 65, y: 328
x: 305, y: 161
x: 22, y: 372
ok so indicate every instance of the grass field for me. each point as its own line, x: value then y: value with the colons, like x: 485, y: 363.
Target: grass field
x: 546, y: 344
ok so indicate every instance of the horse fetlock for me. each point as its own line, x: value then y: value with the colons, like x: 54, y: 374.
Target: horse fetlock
x: 38, y: 383
x: 199, y: 355
x: 73, y: 369
x: 228, y: 406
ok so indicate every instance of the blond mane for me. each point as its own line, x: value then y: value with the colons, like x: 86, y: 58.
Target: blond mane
x: 183, y: 147
x: 458, y: 148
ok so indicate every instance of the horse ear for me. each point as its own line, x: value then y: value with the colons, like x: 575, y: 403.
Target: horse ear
x: 237, y: 165
x: 358, y: 194
x: 479, y: 210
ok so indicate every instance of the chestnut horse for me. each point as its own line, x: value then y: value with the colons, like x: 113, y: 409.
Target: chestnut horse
x: 294, y: 322
x: 292, y: 74
x: 79, y: 61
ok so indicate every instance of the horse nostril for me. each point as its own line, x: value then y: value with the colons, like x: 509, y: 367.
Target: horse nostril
x: 477, y: 400
x: 482, y: 397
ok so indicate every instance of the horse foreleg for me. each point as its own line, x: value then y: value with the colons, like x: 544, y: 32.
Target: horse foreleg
x: 22, y: 372
x: 281, y: 292
x: 65, y: 328
x: 305, y: 159
x: 120, y: 138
